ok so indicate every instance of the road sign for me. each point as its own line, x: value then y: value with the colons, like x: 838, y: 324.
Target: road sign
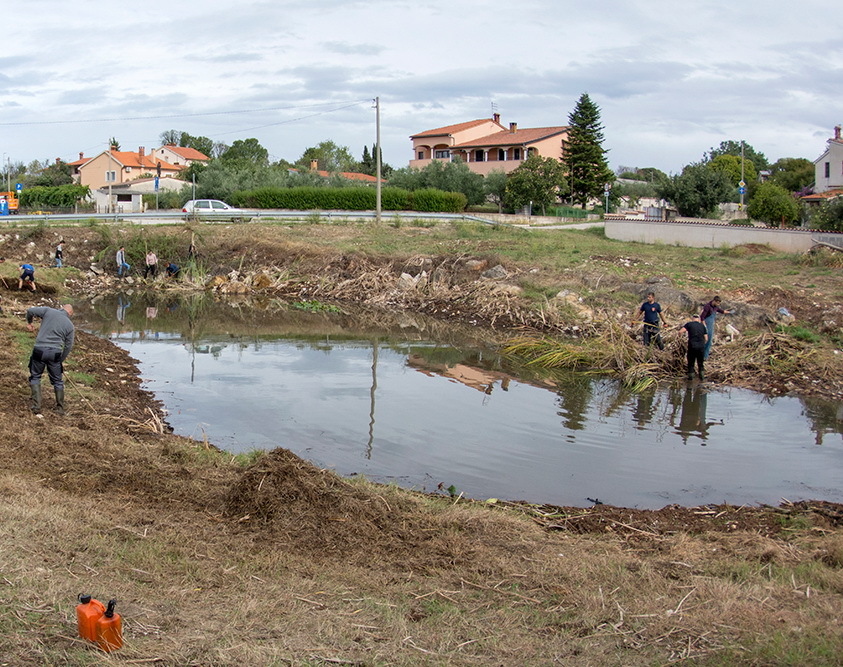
x: 742, y: 184
x: 742, y: 190
x: 18, y: 186
x: 156, y: 184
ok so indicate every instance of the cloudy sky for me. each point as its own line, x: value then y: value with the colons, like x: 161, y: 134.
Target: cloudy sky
x: 672, y: 79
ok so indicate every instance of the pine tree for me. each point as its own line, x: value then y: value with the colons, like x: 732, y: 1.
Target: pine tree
x: 584, y: 157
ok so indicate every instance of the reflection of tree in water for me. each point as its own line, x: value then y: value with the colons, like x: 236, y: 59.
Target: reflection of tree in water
x: 575, y: 392
x: 825, y: 416
x: 693, y: 420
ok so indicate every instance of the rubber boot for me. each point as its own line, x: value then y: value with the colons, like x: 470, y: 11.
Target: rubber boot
x: 35, y: 389
x: 59, y: 400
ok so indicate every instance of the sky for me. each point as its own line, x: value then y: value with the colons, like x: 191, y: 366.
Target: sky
x: 672, y: 79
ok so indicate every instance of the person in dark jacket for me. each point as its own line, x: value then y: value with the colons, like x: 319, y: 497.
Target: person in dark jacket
x: 653, y: 320
x: 173, y: 270
x: 52, y: 345
x: 27, y: 276
x: 697, y: 339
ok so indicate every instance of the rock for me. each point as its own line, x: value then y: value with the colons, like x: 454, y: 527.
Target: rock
x: 497, y: 272
x: 512, y: 290
x: 406, y: 282
x: 476, y: 264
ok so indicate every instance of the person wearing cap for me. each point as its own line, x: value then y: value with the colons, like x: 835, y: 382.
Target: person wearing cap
x: 52, y: 346
x: 697, y: 339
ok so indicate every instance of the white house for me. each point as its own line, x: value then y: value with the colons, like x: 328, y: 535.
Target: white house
x: 828, y: 167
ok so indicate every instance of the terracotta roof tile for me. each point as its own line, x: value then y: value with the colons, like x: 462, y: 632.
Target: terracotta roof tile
x: 187, y: 153
x: 451, y: 129
x: 821, y: 196
x: 526, y: 135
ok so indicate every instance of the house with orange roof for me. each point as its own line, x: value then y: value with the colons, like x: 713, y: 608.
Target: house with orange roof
x: 113, y: 167
x: 485, y: 145
x: 828, y: 167
x: 180, y: 155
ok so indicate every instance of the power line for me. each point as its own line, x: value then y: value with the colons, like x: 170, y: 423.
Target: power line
x: 189, y: 115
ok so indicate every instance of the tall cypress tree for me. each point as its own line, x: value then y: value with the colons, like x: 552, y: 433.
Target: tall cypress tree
x: 584, y: 157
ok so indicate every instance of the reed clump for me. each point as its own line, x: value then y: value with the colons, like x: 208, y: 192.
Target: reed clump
x: 610, y: 350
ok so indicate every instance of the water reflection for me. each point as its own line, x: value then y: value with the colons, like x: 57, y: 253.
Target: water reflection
x: 692, y: 420
x: 401, y: 398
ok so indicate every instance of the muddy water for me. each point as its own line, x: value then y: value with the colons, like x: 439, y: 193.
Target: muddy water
x: 403, y: 399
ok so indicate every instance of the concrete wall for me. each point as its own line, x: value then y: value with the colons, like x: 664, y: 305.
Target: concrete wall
x: 705, y: 235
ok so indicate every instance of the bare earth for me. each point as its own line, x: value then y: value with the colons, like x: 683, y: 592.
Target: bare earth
x: 217, y: 561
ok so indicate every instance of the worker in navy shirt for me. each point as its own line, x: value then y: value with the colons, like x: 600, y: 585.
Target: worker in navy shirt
x: 653, y: 319
x: 697, y: 339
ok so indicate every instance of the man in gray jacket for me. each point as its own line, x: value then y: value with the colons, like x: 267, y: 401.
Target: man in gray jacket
x: 52, y: 345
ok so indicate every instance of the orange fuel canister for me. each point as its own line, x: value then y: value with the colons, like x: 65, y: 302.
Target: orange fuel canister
x: 109, y: 629
x: 88, y: 612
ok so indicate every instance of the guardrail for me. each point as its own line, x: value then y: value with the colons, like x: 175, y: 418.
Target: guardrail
x: 177, y: 217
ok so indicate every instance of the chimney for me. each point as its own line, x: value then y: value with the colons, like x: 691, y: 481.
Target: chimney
x: 58, y: 160
x: 513, y: 127
x: 837, y: 133
x: 141, y: 151
x: 81, y: 155
x: 314, y: 165
x: 496, y: 117
x: 113, y: 148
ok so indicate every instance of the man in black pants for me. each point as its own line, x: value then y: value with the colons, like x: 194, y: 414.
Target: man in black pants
x: 52, y: 345
x: 697, y: 338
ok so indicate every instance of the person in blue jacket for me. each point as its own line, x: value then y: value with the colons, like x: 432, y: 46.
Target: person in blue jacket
x: 708, y: 315
x: 27, y: 276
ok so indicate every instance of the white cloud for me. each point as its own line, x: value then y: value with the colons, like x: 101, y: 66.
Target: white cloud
x: 671, y: 79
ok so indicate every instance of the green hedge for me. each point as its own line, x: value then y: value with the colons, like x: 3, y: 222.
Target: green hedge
x: 60, y: 196
x: 349, y: 199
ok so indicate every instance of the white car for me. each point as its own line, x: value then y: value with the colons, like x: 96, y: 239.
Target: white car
x: 199, y: 206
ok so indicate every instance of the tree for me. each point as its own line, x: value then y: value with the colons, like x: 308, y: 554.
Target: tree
x: 829, y: 216
x: 368, y: 164
x: 113, y: 142
x: 329, y: 157
x: 792, y: 173
x: 731, y: 147
x: 648, y: 174
x: 246, y: 152
x: 494, y: 185
x: 697, y: 190
x: 585, y: 157
x: 538, y: 180
x: 57, y: 173
x: 773, y: 204
x: 731, y: 166
x: 448, y: 176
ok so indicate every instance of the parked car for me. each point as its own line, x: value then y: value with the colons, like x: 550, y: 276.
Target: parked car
x: 208, y: 206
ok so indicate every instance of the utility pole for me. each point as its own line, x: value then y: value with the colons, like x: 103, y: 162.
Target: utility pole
x: 742, y: 186
x: 108, y: 176
x: 378, y: 160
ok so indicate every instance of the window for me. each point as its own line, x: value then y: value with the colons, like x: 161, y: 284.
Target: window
x: 516, y: 153
x: 501, y: 154
x: 128, y: 170
x: 421, y: 155
x: 218, y: 206
x: 110, y: 176
x: 828, y: 169
x: 479, y: 155
x: 442, y: 155
x: 124, y: 199
x: 203, y: 203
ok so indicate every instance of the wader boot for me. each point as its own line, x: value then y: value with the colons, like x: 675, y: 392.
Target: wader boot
x: 59, y: 400
x: 35, y: 390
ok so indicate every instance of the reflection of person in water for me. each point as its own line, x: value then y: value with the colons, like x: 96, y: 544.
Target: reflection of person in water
x: 122, y: 306
x: 693, y: 418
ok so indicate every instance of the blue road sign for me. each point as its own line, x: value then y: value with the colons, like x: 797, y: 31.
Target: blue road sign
x: 742, y: 190
x: 18, y: 186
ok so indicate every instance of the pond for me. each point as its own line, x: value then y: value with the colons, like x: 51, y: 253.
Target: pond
x: 433, y: 406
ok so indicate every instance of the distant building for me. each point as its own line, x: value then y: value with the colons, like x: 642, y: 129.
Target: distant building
x: 114, y: 167
x: 180, y: 155
x: 828, y: 167
x: 485, y: 145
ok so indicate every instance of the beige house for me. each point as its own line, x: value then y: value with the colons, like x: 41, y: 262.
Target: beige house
x: 180, y: 155
x: 486, y: 145
x: 828, y: 167
x: 113, y: 167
